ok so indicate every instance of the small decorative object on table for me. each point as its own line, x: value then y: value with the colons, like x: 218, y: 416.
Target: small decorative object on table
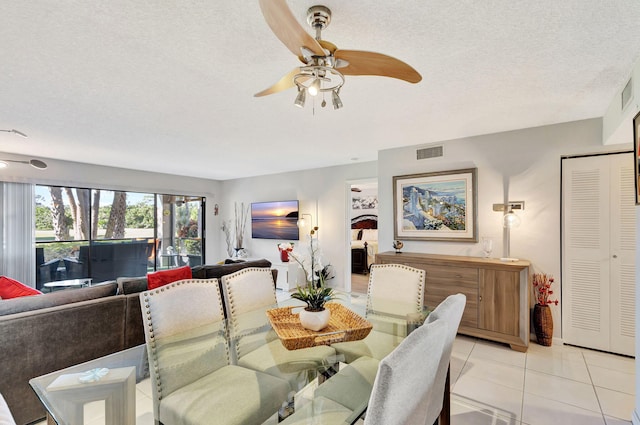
x: 398, y: 246
x: 93, y: 375
x: 315, y: 293
x: 542, y: 318
x: 285, y: 248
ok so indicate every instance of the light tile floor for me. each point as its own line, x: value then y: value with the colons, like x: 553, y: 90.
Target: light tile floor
x: 494, y: 385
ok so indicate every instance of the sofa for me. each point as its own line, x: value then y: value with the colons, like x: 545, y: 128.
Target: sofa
x: 45, y: 333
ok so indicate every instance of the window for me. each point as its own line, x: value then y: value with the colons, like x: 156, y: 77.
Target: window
x: 104, y: 234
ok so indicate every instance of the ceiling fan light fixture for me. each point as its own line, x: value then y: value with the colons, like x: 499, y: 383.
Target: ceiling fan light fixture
x: 335, y: 99
x: 315, y: 87
x: 300, y: 98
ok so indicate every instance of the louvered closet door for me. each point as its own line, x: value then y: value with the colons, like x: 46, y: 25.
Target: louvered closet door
x: 598, y: 275
x: 585, y: 288
x: 622, y: 253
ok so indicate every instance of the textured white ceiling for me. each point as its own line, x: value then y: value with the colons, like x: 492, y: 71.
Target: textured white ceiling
x: 168, y: 86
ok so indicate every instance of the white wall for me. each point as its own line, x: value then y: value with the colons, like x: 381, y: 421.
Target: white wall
x: 323, y: 193
x: 75, y: 174
x: 522, y: 165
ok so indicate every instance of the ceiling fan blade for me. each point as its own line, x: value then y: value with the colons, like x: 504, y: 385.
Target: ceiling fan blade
x: 284, y: 83
x: 371, y: 63
x: 285, y: 26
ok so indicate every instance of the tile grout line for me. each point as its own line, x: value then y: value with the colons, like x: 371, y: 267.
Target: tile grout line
x: 524, y: 383
x: 593, y: 386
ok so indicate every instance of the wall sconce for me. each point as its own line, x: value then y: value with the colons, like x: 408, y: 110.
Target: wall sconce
x: 302, y: 222
x: 509, y: 221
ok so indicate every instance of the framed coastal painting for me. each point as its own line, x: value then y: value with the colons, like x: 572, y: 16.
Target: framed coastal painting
x: 636, y: 155
x: 439, y: 206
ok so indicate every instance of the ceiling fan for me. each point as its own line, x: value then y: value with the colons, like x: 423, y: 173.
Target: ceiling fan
x: 324, y: 65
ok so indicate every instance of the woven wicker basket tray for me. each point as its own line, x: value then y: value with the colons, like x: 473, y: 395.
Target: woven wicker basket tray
x: 344, y: 325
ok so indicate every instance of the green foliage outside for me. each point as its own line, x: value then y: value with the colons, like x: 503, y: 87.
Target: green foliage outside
x: 54, y: 250
x: 138, y: 216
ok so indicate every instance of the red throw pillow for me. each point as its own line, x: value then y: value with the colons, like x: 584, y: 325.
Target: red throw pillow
x: 161, y: 278
x: 10, y: 288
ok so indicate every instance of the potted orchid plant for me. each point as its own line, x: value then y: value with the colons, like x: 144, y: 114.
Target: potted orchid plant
x: 314, y: 293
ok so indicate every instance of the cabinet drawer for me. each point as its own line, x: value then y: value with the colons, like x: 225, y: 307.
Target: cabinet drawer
x: 463, y: 275
x: 435, y: 294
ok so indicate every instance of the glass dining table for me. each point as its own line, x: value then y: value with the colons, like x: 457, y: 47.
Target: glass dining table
x: 112, y: 380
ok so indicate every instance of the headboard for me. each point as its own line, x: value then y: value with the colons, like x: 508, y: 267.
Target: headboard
x: 365, y: 221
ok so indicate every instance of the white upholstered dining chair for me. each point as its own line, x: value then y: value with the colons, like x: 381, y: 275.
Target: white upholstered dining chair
x: 450, y: 310
x: 248, y: 293
x: 412, y: 382
x: 191, y: 376
x: 395, y: 291
x: 404, y: 387
x: 407, y: 386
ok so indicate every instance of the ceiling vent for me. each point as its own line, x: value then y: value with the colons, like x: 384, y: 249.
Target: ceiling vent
x: 432, y: 152
x: 627, y: 93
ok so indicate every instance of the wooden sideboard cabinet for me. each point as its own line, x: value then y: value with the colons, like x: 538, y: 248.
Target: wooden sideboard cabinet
x: 497, y: 292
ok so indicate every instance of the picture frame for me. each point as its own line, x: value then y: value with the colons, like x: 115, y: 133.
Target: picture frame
x: 437, y: 206
x: 636, y: 154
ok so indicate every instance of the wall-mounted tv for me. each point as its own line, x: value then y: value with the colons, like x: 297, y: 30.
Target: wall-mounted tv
x: 275, y: 220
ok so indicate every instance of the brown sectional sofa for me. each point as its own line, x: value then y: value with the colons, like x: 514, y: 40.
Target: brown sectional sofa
x: 44, y: 333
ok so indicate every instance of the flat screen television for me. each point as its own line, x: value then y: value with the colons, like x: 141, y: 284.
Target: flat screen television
x: 275, y: 220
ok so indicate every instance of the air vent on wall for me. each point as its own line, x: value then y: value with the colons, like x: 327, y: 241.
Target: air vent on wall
x: 432, y: 152
x: 627, y: 93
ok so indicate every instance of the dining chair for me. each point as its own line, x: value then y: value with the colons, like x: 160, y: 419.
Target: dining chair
x: 450, y: 310
x: 192, y: 379
x: 399, y: 390
x: 248, y: 294
x: 405, y: 386
x: 394, y: 292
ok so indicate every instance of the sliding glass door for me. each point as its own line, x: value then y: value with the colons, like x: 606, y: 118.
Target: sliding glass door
x: 103, y: 234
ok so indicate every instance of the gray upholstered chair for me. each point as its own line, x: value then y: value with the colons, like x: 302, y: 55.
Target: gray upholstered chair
x: 248, y: 293
x: 450, y: 310
x: 191, y: 376
x: 395, y: 291
x: 405, y: 386
x: 5, y: 414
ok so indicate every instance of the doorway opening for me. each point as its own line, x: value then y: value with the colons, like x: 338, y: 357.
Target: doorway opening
x: 363, y: 231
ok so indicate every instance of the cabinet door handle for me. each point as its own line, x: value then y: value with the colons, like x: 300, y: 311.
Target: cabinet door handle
x: 615, y: 256
x: 480, y: 298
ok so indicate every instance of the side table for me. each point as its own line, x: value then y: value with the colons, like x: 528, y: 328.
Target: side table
x: 117, y: 389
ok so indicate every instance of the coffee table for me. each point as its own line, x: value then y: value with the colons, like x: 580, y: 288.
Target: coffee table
x: 69, y: 283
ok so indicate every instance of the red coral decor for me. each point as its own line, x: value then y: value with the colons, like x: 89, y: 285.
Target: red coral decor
x: 542, y: 318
